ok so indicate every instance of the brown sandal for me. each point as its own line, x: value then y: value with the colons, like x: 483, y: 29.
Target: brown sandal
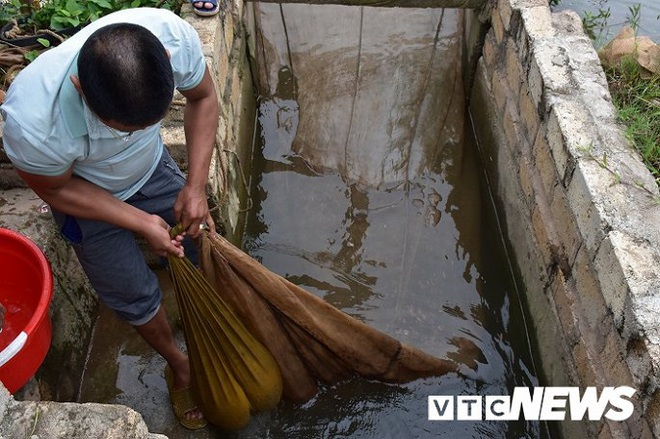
x: 182, y: 403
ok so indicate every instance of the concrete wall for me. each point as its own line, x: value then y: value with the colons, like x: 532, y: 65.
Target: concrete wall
x: 580, y: 210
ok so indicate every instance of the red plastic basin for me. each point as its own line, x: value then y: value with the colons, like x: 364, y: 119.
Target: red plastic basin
x: 26, y: 289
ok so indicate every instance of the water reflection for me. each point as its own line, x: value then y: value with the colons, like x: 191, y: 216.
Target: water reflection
x: 419, y: 260
x: 366, y: 192
x: 349, y: 120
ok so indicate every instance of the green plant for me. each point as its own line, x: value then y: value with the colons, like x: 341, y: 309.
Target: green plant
x: 636, y: 95
x: 596, y: 25
x: 634, y: 15
x: 62, y: 14
x: 10, y: 9
x: 31, y: 55
x: 59, y: 15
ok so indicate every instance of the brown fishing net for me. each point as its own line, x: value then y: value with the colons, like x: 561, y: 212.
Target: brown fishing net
x: 232, y: 372
x: 310, y: 339
x: 253, y: 336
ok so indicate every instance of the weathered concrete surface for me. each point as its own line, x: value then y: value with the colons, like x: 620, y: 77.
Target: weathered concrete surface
x: 224, y: 45
x: 330, y: 72
x: 580, y: 209
x: 46, y: 419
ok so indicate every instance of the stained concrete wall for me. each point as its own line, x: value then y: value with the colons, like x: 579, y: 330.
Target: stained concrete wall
x: 580, y: 210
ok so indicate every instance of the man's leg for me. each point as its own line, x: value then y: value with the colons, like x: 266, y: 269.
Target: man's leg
x: 158, y: 333
x: 118, y: 272
x: 116, y: 268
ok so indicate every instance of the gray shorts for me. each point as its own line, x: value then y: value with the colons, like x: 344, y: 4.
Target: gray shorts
x: 111, y: 257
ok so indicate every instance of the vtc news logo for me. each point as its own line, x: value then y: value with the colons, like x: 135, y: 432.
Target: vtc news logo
x: 541, y: 404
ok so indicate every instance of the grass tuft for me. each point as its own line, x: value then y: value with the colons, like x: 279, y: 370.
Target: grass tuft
x: 636, y: 96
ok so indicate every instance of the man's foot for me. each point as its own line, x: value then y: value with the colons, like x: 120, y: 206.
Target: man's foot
x: 205, y: 8
x: 183, y: 405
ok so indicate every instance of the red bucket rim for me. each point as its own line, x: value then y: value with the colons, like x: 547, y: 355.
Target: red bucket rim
x: 46, y: 295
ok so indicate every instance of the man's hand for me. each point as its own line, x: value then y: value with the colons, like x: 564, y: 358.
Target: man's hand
x: 157, y: 234
x: 192, y: 210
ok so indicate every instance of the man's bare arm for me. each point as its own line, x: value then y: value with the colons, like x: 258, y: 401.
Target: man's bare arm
x: 200, y: 126
x: 77, y: 197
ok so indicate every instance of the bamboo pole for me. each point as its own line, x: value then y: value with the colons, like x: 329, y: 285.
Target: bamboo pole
x: 463, y: 4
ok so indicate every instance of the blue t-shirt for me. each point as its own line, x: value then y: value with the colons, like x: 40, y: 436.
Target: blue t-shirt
x: 48, y: 128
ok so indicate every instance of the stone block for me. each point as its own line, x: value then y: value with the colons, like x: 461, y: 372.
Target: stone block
x: 639, y: 271
x: 544, y: 164
x: 535, y: 84
x: 235, y: 96
x: 525, y: 175
x: 612, y: 280
x: 638, y: 426
x: 545, y: 236
x: 230, y: 28
x: 222, y: 68
x: 537, y: 22
x: 530, y: 117
x: 613, y: 361
x: 511, y: 126
x: 47, y: 419
x: 504, y: 9
x: 522, y: 4
x: 592, y: 310
x: 586, y: 180
x: 513, y: 68
x: 497, y: 28
x: 488, y: 50
x: 605, y: 432
x: 584, y: 363
x: 552, y: 61
x: 563, y: 218
x: 573, y: 134
x: 500, y: 90
x: 564, y: 301
x: 640, y: 362
x: 567, y: 22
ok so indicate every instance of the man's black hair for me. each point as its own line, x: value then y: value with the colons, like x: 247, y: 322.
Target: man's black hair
x: 126, y: 75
